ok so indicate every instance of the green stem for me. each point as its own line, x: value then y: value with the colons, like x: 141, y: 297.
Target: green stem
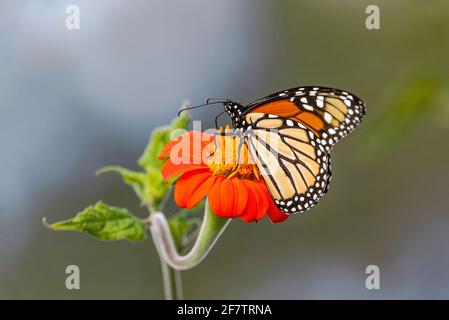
x: 211, y: 229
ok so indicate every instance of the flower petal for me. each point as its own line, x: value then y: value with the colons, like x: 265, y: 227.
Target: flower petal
x: 214, y: 197
x: 258, y: 202
x: 227, y: 198
x: 187, y: 184
x: 263, y: 198
x: 275, y: 214
x: 188, y: 146
x: 241, y: 197
x: 250, y: 212
x: 201, y: 192
x: 167, y: 149
x: 170, y: 170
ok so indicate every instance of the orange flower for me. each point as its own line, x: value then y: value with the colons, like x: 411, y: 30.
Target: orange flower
x: 222, y: 169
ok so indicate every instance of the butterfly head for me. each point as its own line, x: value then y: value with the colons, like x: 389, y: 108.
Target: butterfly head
x: 235, y: 111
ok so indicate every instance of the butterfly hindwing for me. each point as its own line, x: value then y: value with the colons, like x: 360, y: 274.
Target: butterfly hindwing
x: 295, y: 168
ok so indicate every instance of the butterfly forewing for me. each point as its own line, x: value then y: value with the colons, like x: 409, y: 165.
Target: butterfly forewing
x: 330, y: 113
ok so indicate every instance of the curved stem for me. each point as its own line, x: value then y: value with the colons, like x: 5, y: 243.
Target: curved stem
x: 211, y: 229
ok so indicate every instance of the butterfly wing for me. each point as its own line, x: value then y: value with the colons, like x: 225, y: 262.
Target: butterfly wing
x: 330, y: 113
x: 295, y: 168
x: 290, y: 134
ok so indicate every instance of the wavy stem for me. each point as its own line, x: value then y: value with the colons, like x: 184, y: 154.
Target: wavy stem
x: 211, y: 229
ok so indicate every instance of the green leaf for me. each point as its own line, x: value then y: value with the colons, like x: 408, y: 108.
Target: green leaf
x: 134, y: 179
x: 159, y: 138
x: 180, y: 224
x: 104, y: 222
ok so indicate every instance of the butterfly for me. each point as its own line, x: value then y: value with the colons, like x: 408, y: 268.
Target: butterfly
x: 290, y: 134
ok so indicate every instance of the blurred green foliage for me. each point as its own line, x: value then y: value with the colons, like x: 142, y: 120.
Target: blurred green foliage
x: 409, y: 105
x: 181, y: 224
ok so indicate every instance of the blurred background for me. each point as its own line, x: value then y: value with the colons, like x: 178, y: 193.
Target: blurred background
x: 72, y: 101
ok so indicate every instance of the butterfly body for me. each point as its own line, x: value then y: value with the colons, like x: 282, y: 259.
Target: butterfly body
x: 236, y: 112
x: 290, y: 134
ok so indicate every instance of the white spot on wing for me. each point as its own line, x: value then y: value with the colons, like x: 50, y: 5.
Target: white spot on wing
x: 307, y: 107
x: 327, y: 117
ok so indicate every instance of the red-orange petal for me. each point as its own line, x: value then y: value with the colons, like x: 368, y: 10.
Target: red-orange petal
x: 169, y: 146
x: 167, y: 149
x: 170, y: 170
x: 241, y: 197
x: 214, y: 197
x: 275, y: 214
x: 250, y: 212
x: 201, y: 192
x: 187, y: 184
x: 257, y: 204
x: 196, y: 140
x: 262, y: 199
x: 227, y: 199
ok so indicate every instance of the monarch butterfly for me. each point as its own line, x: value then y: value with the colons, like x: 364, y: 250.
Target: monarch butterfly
x: 290, y: 135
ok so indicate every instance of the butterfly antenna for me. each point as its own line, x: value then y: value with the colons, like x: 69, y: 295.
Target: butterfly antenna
x: 199, y: 106
x: 217, y: 98
x: 216, y: 119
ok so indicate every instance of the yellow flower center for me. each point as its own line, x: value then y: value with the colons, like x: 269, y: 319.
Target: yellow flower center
x: 231, y: 158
